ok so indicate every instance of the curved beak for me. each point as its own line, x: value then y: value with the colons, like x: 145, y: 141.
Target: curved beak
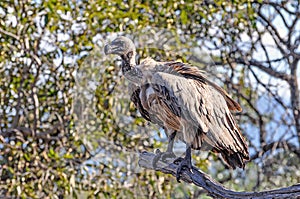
x: 113, y: 49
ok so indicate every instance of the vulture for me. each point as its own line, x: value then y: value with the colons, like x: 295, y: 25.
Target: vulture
x: 179, y: 98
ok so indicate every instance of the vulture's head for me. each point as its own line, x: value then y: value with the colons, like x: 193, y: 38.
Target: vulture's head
x: 123, y: 47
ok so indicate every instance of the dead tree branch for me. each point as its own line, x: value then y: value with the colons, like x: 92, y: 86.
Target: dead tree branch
x: 215, y: 189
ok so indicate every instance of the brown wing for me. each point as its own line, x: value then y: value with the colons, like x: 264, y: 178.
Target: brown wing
x: 194, y: 73
x: 159, y: 107
x: 138, y: 104
x: 204, y: 112
x: 137, y: 99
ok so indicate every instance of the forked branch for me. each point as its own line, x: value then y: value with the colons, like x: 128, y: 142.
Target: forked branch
x: 213, y: 188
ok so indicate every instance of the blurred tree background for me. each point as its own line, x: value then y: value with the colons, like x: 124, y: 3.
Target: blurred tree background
x: 68, y: 129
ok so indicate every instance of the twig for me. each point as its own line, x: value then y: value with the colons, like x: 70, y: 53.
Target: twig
x: 214, y: 189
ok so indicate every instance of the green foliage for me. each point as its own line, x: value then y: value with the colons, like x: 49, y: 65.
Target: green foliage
x: 67, y: 125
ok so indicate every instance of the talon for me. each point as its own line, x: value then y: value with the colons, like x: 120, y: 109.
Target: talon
x: 162, y: 156
x: 178, y: 160
x: 182, y: 165
x: 155, y: 160
x: 184, y: 162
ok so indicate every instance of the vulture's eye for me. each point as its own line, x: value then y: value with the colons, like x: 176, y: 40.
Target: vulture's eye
x: 130, y: 54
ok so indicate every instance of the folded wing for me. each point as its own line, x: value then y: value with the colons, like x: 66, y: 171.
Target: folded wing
x: 200, y: 110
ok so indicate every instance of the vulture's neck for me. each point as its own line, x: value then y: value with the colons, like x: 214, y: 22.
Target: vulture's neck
x: 133, y: 74
x: 128, y: 63
x: 126, y: 66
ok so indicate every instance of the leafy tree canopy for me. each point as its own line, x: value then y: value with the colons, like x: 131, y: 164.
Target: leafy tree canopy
x: 69, y: 129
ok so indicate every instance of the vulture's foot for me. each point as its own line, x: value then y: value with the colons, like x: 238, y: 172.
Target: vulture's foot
x: 183, y: 163
x: 162, y: 156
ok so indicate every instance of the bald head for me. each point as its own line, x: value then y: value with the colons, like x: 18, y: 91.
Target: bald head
x: 120, y: 46
x: 125, y: 48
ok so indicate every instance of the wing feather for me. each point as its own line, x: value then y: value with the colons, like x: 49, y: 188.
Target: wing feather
x: 194, y: 73
x: 204, y: 114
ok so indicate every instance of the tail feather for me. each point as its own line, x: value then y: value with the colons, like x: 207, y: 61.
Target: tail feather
x: 236, y: 159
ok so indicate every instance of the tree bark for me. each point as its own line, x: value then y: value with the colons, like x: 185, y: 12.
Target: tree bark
x: 213, y: 188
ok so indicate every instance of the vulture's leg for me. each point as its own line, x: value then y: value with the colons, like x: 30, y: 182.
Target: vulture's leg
x: 168, y: 154
x: 184, y: 162
x: 171, y: 139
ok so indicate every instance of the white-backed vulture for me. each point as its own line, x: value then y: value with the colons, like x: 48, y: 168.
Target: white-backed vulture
x: 179, y: 98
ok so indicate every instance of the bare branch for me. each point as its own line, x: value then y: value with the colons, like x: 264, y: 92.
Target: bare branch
x: 273, y: 30
x: 267, y: 87
x: 25, y: 132
x: 267, y: 70
x: 295, y: 94
x: 275, y: 145
x: 274, y: 4
x: 214, y: 188
x: 9, y: 34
